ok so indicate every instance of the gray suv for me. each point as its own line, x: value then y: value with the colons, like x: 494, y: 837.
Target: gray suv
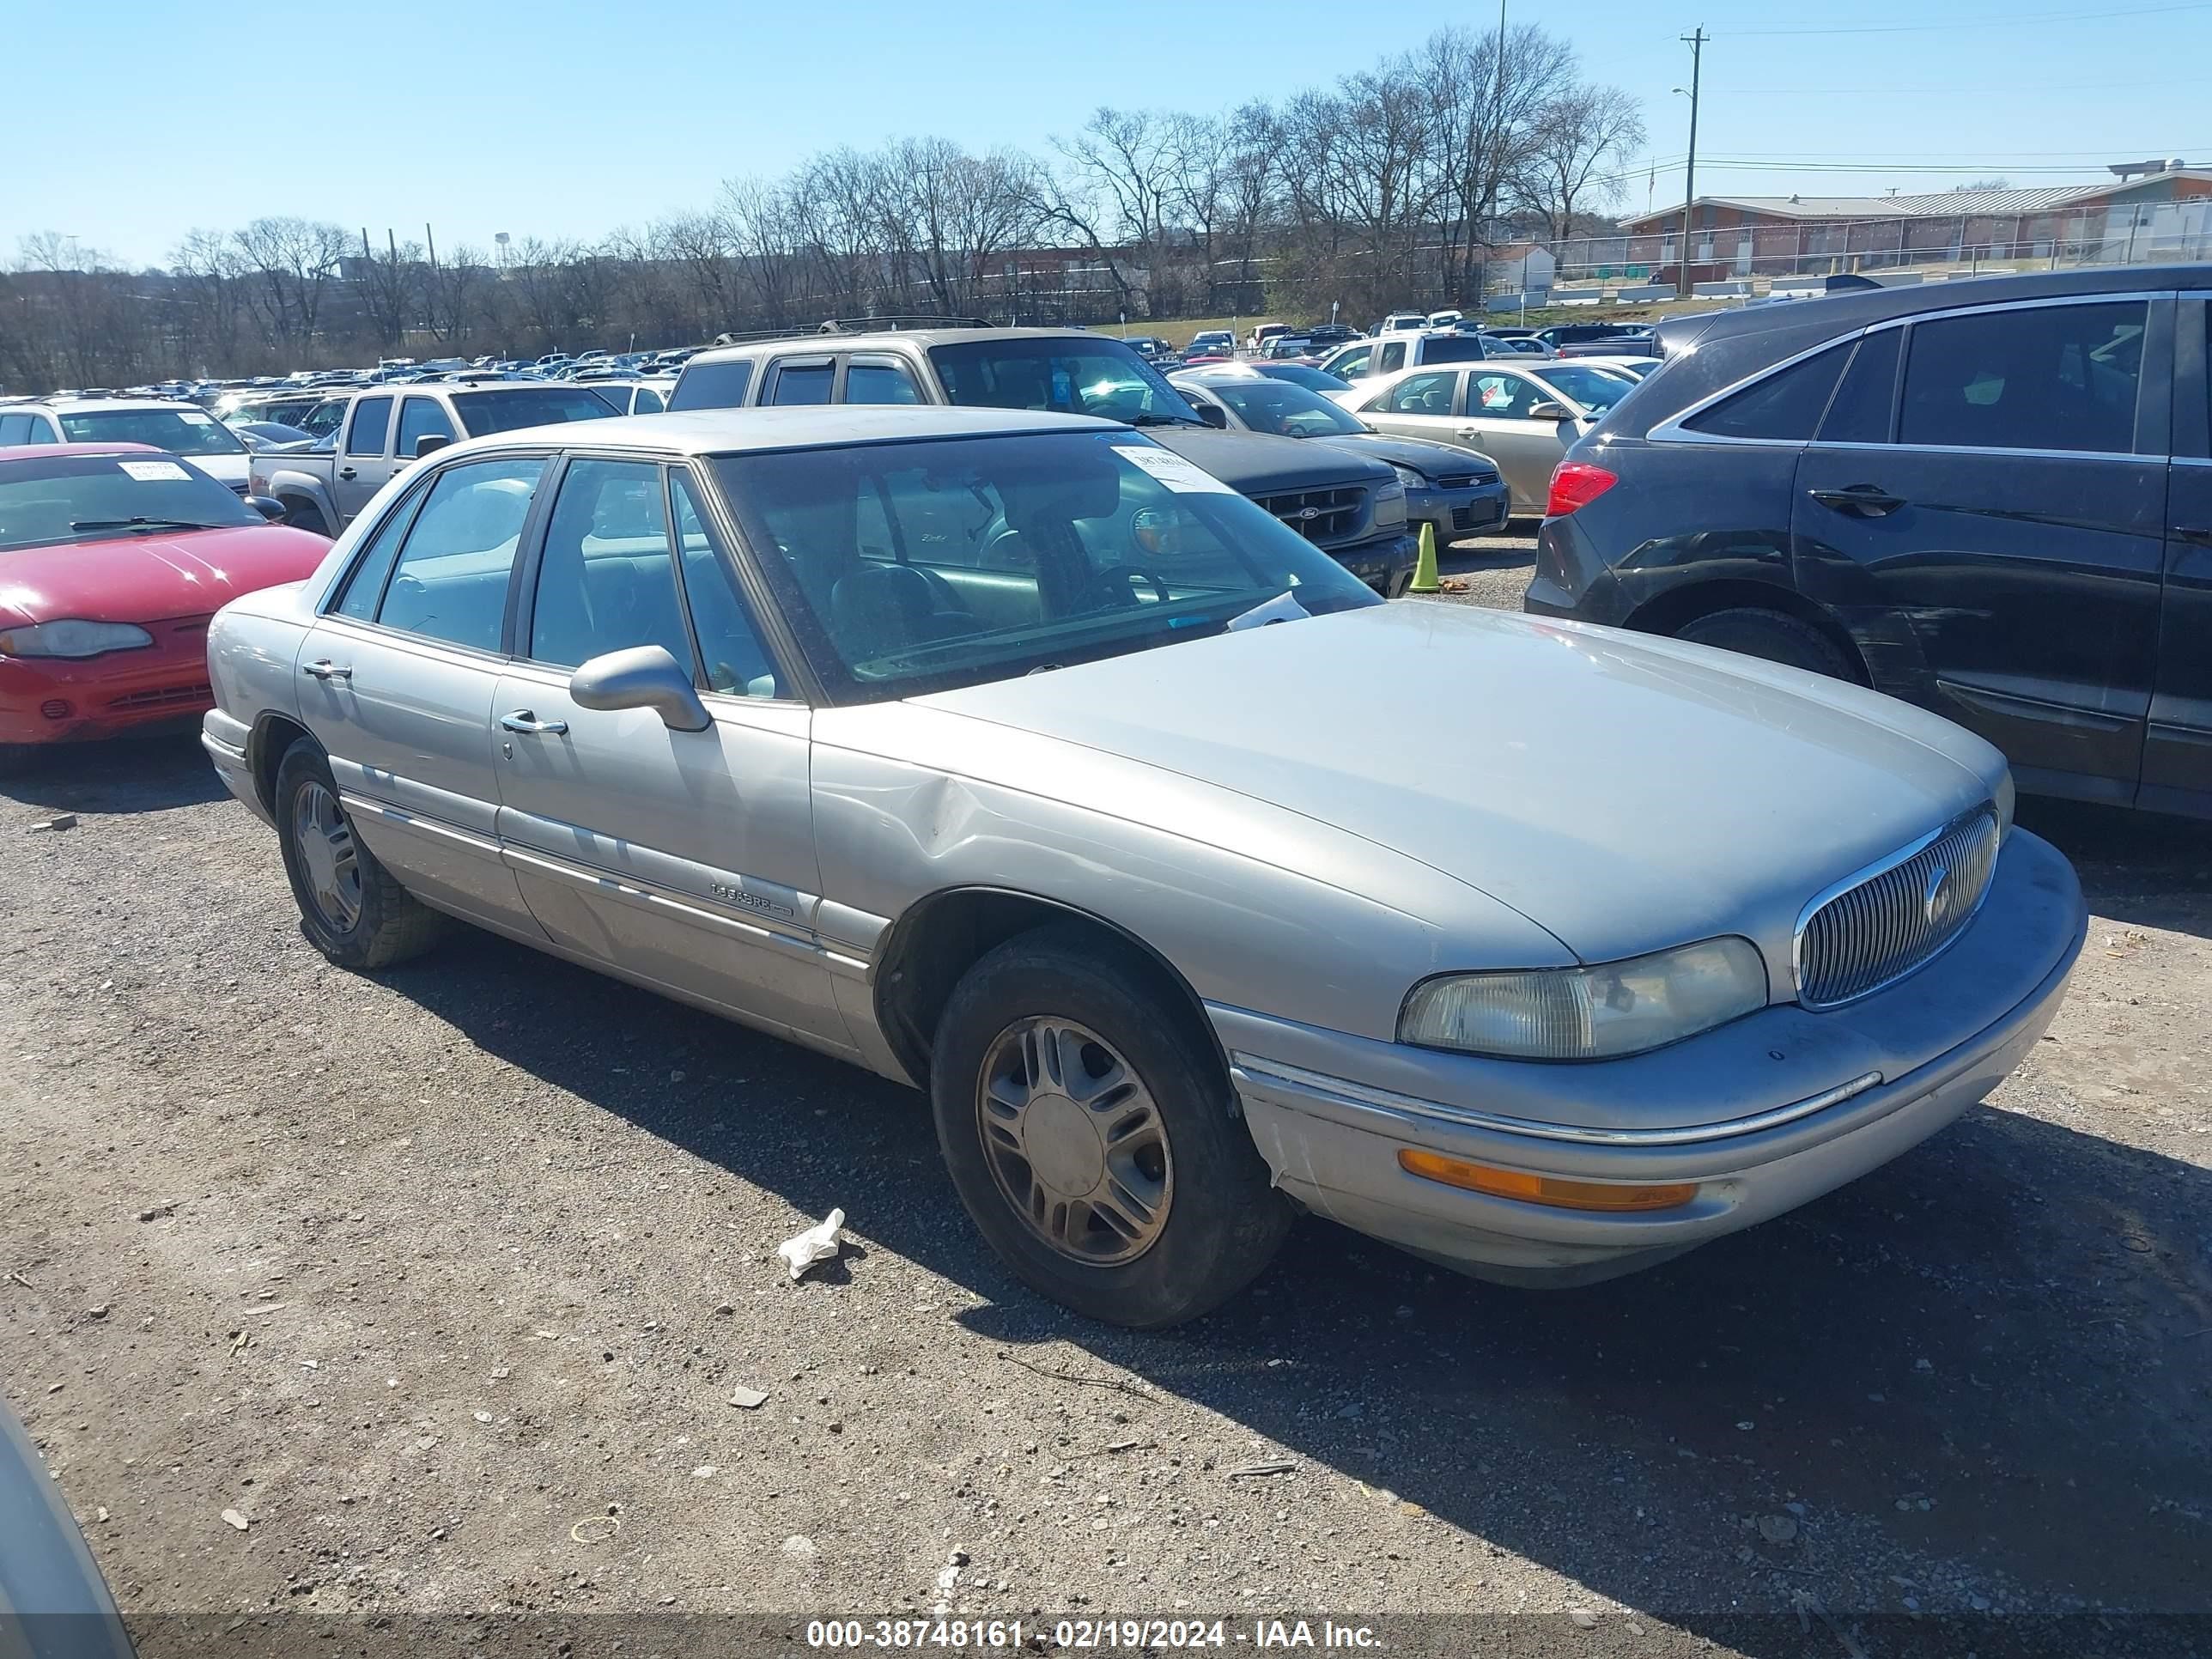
x: 1353, y: 508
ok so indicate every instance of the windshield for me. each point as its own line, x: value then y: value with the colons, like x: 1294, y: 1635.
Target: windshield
x: 41, y: 500
x: 550, y: 406
x: 919, y: 566
x: 1278, y: 406
x: 180, y: 431
x: 1070, y: 377
x: 1593, y: 388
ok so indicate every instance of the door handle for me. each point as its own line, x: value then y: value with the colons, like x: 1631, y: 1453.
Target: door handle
x: 1467, y: 432
x: 347, y: 472
x: 523, y: 721
x: 324, y: 669
x: 1863, y: 501
x: 2201, y: 535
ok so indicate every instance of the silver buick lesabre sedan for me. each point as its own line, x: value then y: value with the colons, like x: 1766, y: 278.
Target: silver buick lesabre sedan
x: 1010, y: 756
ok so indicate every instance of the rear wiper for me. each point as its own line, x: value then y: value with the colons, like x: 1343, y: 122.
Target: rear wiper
x: 144, y: 524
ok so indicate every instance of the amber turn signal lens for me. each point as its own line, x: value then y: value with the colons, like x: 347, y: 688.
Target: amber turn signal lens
x: 1554, y: 1190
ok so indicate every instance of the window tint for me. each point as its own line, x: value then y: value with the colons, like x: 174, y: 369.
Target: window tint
x: 1080, y: 376
x: 737, y: 662
x: 1860, y: 412
x: 15, y: 429
x: 1784, y: 405
x: 510, y: 408
x: 422, y: 417
x: 711, y: 386
x: 450, y: 581
x: 372, y: 418
x: 879, y: 383
x: 1502, y: 397
x: 1392, y: 355
x: 647, y: 402
x: 606, y: 582
x: 2038, y: 377
x: 365, y: 586
x: 1420, y: 394
x: 796, y: 383
x: 1453, y: 348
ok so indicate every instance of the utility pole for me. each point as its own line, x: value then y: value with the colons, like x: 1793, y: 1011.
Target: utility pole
x: 1697, y: 44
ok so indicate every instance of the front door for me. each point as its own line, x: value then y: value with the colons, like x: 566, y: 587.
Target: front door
x: 1496, y: 421
x: 364, y: 460
x: 397, y: 680
x: 2177, y: 773
x: 684, y: 859
x: 2004, y: 512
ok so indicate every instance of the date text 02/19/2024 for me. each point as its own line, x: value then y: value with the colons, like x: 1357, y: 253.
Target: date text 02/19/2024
x: 1003, y: 1635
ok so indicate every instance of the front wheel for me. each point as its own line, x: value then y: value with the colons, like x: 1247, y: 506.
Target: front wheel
x: 1088, y: 1126
x: 351, y: 909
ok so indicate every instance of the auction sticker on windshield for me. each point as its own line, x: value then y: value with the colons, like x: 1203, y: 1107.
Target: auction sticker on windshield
x: 1177, y: 473
x: 193, y: 417
x: 155, y: 472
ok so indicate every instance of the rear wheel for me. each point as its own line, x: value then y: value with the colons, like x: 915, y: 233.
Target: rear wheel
x: 306, y: 515
x: 351, y: 909
x: 1087, y: 1127
x: 1771, y: 635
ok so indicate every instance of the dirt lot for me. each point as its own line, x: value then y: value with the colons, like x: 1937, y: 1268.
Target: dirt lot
x: 442, y: 1280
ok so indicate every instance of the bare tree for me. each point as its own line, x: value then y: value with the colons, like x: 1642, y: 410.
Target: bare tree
x: 292, y: 261
x: 1577, y: 145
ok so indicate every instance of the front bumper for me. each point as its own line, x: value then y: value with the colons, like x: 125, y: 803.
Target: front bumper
x: 48, y: 700
x: 1474, y: 509
x: 1763, y: 1114
x: 1385, y: 563
x: 228, y: 743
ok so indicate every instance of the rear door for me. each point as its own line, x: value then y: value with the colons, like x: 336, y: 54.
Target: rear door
x: 2177, y: 773
x: 398, y: 679
x: 683, y: 859
x: 364, y: 460
x: 1994, y: 481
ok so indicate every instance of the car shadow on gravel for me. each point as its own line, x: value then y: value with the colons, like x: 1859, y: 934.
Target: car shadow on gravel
x: 2141, y: 868
x: 1992, y: 1351
x: 127, y: 775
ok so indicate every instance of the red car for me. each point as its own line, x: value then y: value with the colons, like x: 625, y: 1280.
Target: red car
x: 112, y: 557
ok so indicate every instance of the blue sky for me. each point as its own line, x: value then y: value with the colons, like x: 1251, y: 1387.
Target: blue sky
x: 563, y: 118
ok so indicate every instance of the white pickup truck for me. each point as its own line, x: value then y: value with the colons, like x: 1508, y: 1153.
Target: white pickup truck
x: 386, y: 430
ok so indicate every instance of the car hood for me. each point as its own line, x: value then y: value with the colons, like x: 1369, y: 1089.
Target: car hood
x: 153, y: 578
x: 231, y: 470
x: 1624, y: 793
x: 1432, y: 460
x: 1260, y: 463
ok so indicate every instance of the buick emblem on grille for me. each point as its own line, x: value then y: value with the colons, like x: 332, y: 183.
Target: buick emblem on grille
x: 1933, y: 902
x: 1308, y: 513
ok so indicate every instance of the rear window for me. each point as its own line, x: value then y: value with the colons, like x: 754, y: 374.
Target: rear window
x: 713, y: 386
x: 1787, y: 405
x: 506, y: 411
x: 1452, y: 348
x: 1070, y: 377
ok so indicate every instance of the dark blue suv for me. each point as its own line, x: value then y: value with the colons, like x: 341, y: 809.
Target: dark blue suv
x: 1992, y: 497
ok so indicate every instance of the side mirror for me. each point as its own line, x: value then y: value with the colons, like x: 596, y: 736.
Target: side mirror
x: 267, y: 506
x: 1211, y: 415
x: 643, y: 677
x: 429, y: 441
x: 1551, y: 412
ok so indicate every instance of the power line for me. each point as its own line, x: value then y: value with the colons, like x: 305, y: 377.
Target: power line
x: 1979, y: 22
x: 1951, y: 90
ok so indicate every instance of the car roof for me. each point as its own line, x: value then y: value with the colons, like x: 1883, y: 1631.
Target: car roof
x: 125, y: 404
x: 734, y: 431
x: 75, y: 452
x: 922, y: 338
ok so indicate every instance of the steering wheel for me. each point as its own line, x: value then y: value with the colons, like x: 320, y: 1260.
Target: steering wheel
x: 1117, y: 578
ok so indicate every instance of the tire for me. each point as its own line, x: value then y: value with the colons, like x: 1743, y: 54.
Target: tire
x: 306, y: 515
x: 1772, y: 636
x: 388, y: 923
x: 17, y: 758
x: 1208, y: 1220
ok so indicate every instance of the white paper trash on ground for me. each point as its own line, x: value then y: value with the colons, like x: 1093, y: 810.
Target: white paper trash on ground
x: 816, y: 1243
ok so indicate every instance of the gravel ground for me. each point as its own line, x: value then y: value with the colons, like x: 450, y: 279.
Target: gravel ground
x: 442, y: 1280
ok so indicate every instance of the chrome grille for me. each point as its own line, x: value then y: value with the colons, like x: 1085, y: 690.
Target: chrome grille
x: 1886, y: 924
x: 1319, y: 515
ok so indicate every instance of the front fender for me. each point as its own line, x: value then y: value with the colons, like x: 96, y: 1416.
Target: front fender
x: 294, y: 482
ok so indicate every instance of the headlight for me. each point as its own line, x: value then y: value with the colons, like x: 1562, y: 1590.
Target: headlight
x: 1390, y: 505
x: 1408, y: 478
x: 2007, y: 798
x: 1605, y: 1012
x: 71, y: 639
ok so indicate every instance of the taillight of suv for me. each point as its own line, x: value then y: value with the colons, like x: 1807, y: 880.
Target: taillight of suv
x: 1576, y: 483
